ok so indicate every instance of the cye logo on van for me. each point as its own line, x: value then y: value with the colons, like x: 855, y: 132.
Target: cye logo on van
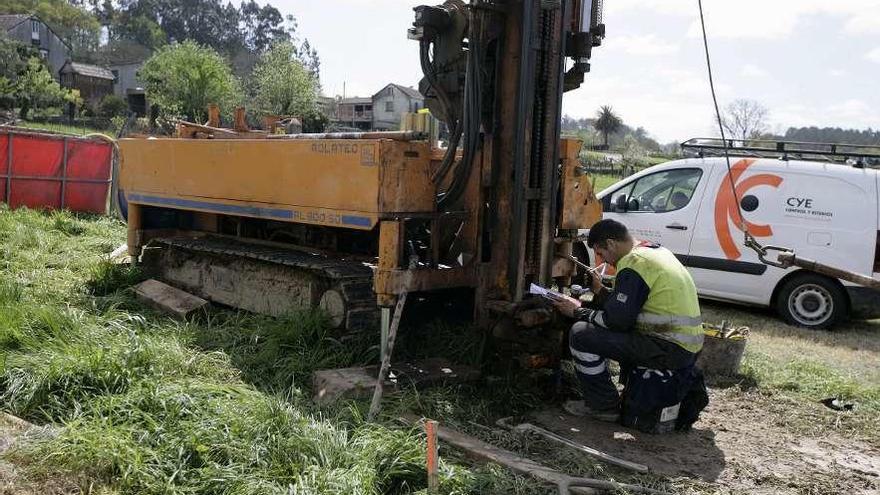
x: 803, y: 207
x: 727, y: 210
x: 799, y: 202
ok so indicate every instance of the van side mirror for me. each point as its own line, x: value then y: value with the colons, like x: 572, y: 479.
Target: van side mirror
x: 620, y: 204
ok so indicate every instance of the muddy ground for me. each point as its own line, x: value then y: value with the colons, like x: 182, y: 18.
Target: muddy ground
x: 742, y: 444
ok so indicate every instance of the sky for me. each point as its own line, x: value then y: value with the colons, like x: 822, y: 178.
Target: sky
x: 810, y: 62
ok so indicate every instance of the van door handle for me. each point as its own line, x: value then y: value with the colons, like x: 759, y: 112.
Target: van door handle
x: 676, y: 226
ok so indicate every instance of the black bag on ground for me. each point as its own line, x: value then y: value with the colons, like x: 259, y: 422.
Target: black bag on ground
x: 661, y: 401
x: 693, y: 403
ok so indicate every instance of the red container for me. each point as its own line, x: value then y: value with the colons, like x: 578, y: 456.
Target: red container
x: 41, y: 170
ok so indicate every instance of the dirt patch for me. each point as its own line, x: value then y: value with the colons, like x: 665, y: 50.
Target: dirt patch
x: 14, y: 431
x: 739, y: 447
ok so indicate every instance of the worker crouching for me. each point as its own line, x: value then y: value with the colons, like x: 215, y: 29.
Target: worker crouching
x: 650, y: 324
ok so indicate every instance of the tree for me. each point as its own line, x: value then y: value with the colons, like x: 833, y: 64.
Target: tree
x: 744, y: 119
x: 221, y: 26
x: 833, y: 135
x: 309, y: 58
x: 607, y: 122
x: 671, y: 149
x: 25, y: 80
x: 262, y: 26
x: 36, y: 88
x: 184, y: 78
x: 14, y: 58
x: 632, y: 152
x: 282, y: 85
x: 117, y: 51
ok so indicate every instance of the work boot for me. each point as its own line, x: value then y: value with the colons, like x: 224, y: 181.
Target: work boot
x: 580, y: 409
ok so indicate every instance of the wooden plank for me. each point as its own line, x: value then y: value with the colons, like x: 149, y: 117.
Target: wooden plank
x: 169, y: 299
x: 484, y: 452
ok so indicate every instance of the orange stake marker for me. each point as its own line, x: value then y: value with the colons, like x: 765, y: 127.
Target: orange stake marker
x: 432, y: 457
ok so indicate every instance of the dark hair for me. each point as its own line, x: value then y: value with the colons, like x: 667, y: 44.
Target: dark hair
x: 607, y: 229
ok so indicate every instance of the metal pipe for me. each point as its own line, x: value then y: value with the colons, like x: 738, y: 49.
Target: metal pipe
x: 44, y: 134
x: 385, y: 366
x: 523, y: 113
x: 395, y: 135
x: 594, y: 453
x: 565, y: 487
x: 9, y: 169
x: 58, y: 179
x: 790, y: 259
x: 550, y: 215
x: 63, y: 172
x: 114, y: 167
x: 383, y: 330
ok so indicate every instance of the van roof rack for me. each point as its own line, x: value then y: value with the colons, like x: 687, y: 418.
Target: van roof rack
x: 786, y: 150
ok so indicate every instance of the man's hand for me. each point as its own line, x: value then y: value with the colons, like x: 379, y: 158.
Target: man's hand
x: 595, y: 282
x: 566, y: 305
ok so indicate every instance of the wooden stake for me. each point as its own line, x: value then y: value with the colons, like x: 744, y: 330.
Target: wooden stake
x: 213, y: 115
x: 240, y: 121
x: 433, y: 457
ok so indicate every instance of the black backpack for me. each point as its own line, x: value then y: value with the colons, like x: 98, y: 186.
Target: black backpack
x: 660, y: 401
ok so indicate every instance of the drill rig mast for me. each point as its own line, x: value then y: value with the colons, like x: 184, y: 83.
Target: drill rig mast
x: 495, y: 74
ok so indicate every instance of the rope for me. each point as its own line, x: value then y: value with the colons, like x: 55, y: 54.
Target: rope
x: 748, y: 237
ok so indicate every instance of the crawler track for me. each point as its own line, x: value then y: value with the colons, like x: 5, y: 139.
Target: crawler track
x: 266, y: 279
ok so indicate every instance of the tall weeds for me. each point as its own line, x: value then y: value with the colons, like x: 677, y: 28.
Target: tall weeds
x: 146, y: 404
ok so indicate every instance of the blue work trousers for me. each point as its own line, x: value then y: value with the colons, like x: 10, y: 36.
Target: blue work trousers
x: 591, y: 346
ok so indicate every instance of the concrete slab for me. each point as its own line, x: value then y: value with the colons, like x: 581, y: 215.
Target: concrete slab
x: 358, y: 383
x: 169, y: 299
x: 345, y: 383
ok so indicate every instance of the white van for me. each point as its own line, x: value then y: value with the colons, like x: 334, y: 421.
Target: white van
x: 823, y: 211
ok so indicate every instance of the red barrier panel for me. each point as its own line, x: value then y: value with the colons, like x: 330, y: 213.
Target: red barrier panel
x: 40, y: 170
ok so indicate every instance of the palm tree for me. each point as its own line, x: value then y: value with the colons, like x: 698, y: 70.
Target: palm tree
x: 607, y: 122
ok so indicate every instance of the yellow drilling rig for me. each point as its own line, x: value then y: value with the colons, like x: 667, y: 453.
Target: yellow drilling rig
x: 349, y: 222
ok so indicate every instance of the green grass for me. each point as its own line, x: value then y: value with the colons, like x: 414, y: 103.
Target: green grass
x: 656, y: 160
x: 219, y: 404
x: 807, y: 366
x: 152, y: 405
x: 593, y: 155
x: 811, y: 379
x: 67, y: 129
x: 603, y: 181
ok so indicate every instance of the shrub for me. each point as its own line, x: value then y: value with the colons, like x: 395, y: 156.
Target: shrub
x: 112, y: 106
x: 184, y: 78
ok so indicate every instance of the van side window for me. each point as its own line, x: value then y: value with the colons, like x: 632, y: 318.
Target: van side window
x: 665, y: 191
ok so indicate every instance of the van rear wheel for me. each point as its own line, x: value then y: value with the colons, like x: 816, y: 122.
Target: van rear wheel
x: 811, y: 301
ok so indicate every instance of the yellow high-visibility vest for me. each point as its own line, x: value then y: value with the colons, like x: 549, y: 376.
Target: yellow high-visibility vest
x: 672, y: 311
